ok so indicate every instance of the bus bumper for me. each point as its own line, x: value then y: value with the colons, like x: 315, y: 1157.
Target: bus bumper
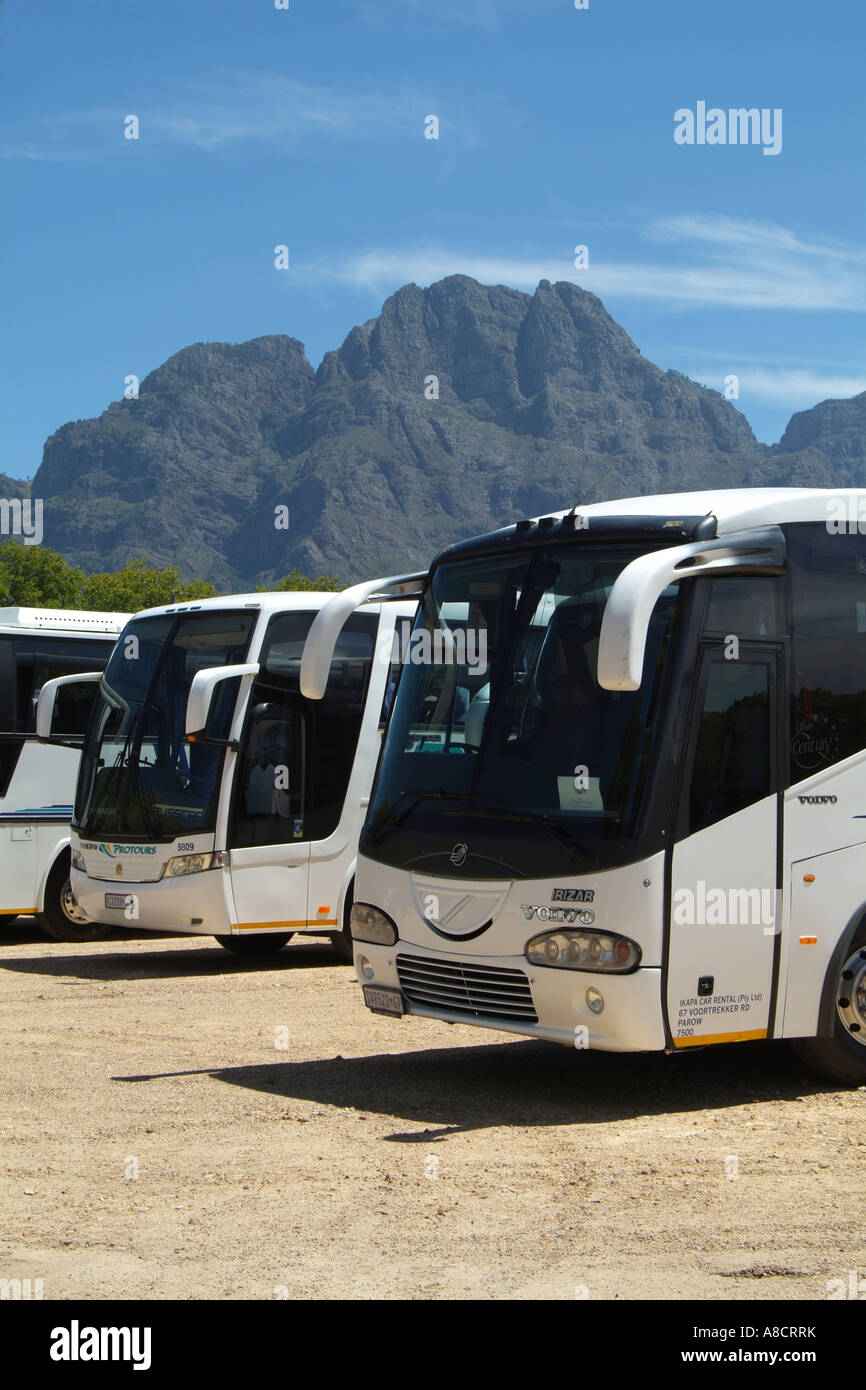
x: 195, y: 903
x: 630, y: 1021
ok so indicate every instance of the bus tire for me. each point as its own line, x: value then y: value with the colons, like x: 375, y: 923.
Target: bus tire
x: 842, y: 1058
x: 61, y: 918
x: 260, y: 944
x: 342, y: 940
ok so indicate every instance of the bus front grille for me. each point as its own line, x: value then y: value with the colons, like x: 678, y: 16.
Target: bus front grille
x: 484, y: 991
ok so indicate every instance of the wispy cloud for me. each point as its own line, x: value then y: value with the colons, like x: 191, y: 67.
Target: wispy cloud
x: 243, y: 107
x: 772, y: 378
x: 271, y: 108
x: 708, y: 262
x: 40, y: 154
x: 385, y: 269
x: 763, y: 264
x: 430, y: 14
x: 795, y: 388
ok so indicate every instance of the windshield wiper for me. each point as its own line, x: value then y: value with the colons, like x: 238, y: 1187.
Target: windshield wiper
x: 398, y: 820
x: 501, y: 810
x: 382, y: 818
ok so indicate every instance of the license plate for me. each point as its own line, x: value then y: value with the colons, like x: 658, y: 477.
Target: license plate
x: 115, y: 899
x: 383, y: 1001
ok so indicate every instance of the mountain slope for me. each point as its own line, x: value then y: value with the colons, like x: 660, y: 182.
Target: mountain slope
x: 460, y: 408
x: 173, y: 473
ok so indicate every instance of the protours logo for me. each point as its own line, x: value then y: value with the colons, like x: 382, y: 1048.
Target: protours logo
x: 736, y: 126
x: 112, y: 851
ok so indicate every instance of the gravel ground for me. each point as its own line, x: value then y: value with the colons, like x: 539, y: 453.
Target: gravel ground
x: 179, y: 1123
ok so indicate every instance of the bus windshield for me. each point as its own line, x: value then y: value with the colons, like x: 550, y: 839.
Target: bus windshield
x: 139, y: 775
x: 505, y: 757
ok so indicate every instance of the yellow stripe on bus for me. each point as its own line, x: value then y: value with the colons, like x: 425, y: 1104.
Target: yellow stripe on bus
x: 283, y: 926
x: 701, y: 1041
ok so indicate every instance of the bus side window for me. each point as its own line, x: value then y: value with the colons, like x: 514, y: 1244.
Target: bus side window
x: 732, y: 766
x: 828, y: 696
x: 399, y: 647
x: 744, y: 607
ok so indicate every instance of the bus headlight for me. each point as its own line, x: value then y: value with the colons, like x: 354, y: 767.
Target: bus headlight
x: 78, y: 862
x: 369, y: 924
x: 585, y: 950
x: 187, y: 864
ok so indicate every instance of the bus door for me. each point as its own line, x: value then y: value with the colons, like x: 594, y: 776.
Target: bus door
x: 724, y: 899
x: 344, y: 748
x: 269, y: 851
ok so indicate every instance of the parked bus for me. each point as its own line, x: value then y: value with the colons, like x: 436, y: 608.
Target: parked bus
x: 641, y: 825
x: 212, y: 797
x: 37, y: 783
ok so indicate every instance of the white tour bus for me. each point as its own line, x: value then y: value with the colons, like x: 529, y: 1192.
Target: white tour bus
x: 643, y: 824
x: 212, y: 797
x: 37, y: 783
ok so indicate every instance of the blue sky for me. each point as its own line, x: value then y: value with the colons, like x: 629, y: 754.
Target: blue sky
x: 305, y: 127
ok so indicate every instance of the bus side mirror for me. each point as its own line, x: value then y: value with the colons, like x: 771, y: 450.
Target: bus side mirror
x: 200, y: 700
x: 48, y: 699
x: 636, y: 590
x: 328, y: 624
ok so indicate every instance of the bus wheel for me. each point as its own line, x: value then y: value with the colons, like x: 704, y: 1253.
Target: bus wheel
x: 843, y: 1057
x: 342, y: 940
x: 262, y: 944
x: 61, y: 918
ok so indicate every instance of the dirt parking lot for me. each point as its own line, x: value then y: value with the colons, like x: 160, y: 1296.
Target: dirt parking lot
x: 179, y: 1123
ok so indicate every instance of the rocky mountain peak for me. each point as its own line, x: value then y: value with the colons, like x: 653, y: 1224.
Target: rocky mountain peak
x: 458, y: 408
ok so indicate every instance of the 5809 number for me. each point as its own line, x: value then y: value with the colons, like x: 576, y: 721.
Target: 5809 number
x: 185, y: 844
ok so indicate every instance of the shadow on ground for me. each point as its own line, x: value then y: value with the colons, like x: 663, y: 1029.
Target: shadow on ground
x: 25, y: 931
x: 202, y: 956
x: 526, y: 1083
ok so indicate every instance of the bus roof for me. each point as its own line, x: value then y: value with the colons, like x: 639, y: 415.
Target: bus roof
x: 69, y: 621
x: 735, y: 509
x: 283, y: 602
x: 675, y: 516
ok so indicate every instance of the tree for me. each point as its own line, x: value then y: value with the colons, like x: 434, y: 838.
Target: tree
x: 294, y: 580
x: 36, y: 577
x: 138, y: 586
x: 32, y: 576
